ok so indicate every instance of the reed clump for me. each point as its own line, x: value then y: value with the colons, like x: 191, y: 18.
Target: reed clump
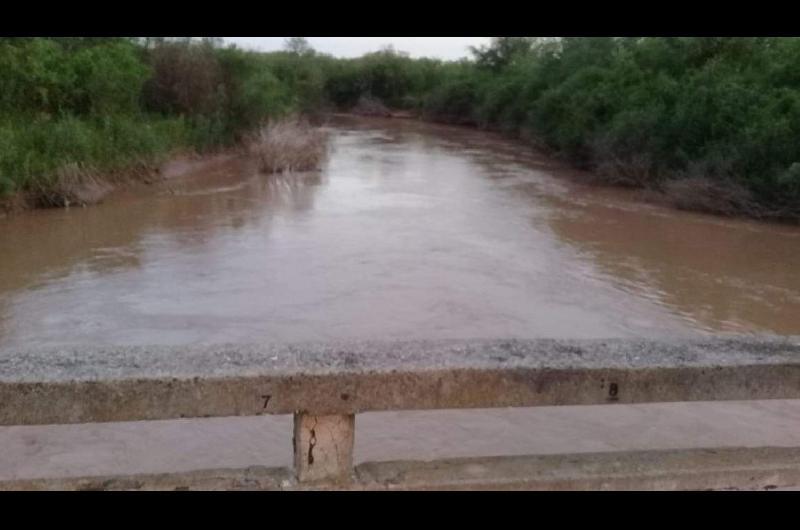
x: 289, y: 145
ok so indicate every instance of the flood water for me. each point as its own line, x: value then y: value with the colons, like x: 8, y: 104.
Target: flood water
x: 411, y: 230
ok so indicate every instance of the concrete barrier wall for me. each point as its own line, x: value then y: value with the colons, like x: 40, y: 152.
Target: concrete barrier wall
x: 77, y: 385
x: 325, y: 385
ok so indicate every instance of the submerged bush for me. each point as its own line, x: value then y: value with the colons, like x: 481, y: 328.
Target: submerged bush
x: 289, y: 145
x: 711, y: 195
x: 71, y: 185
x: 370, y: 106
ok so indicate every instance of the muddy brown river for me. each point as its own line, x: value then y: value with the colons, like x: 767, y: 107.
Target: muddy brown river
x: 411, y: 230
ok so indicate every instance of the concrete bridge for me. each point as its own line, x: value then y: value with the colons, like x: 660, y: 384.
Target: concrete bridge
x: 325, y: 385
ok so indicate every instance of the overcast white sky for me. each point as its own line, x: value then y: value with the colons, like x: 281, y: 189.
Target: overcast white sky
x: 438, y: 47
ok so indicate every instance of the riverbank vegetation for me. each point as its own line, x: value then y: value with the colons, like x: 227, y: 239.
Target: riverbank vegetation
x: 711, y: 123
x: 707, y: 123
x: 80, y: 114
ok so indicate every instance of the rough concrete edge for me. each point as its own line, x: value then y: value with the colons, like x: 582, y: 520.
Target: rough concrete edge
x: 372, y: 357
x: 251, y: 478
x: 761, y: 468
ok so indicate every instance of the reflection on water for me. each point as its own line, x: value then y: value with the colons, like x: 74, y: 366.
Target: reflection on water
x: 410, y: 230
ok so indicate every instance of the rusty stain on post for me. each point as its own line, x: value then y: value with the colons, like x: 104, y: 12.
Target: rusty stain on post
x: 323, y: 447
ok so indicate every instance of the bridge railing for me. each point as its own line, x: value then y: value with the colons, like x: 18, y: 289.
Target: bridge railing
x: 325, y: 385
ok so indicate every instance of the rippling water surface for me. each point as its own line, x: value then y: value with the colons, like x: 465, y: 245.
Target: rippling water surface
x: 411, y: 230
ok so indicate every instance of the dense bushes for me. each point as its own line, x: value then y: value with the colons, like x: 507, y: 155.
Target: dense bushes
x: 32, y: 151
x: 108, y: 104
x: 720, y: 115
x: 391, y: 77
x: 57, y: 76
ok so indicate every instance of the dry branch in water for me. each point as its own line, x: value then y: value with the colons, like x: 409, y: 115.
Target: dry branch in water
x: 75, y: 185
x: 709, y: 195
x: 370, y: 106
x: 289, y: 146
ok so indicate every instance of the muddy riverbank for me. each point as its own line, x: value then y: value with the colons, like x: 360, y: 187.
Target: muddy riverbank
x: 92, y: 189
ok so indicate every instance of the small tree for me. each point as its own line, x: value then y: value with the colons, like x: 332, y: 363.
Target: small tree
x: 502, y: 51
x: 298, y: 45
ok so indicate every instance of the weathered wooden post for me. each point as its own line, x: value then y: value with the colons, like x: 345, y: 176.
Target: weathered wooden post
x: 323, y: 447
